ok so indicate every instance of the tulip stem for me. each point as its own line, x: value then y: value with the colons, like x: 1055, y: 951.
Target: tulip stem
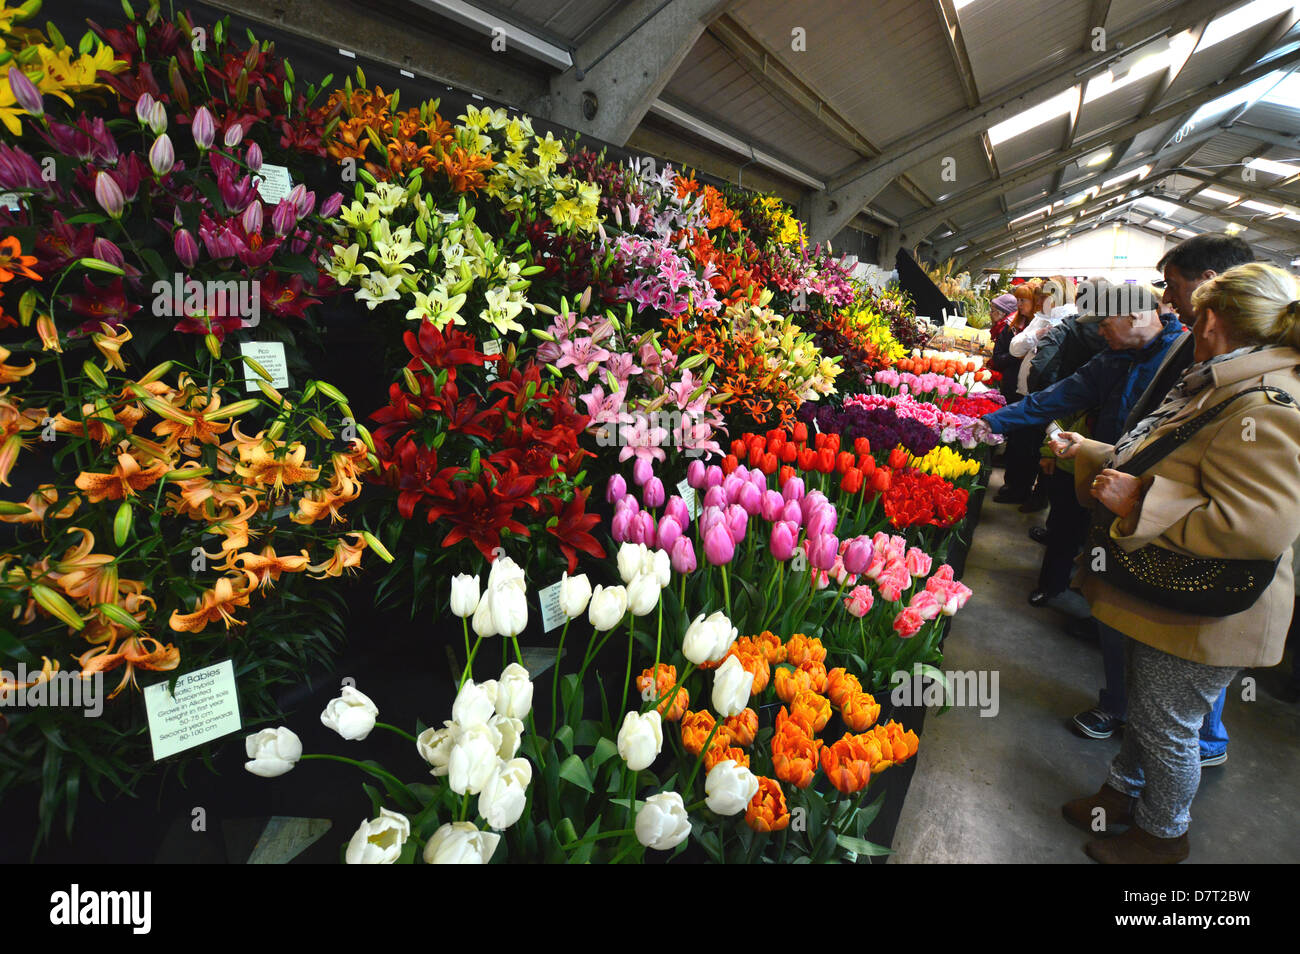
x: 469, y: 663
x: 464, y: 622
x: 699, y: 759
x: 726, y: 589
x: 555, y: 677
x: 671, y: 695
x: 390, y: 779
x: 659, y: 637
x: 604, y: 834
x: 392, y: 728
x: 464, y: 807
x: 857, y: 803
x: 627, y: 675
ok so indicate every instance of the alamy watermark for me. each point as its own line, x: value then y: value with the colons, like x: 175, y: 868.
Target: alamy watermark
x: 188, y: 298
x: 61, y: 689
x: 685, y: 429
x: 972, y: 688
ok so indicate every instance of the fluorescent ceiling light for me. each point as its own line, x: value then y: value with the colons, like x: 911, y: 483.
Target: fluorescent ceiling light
x: 1139, y: 173
x: 1099, y: 158
x: 958, y: 4
x: 1232, y: 228
x: 1272, y: 167
x: 1062, y: 104
x: 475, y: 18
x: 1029, y: 215
x: 1242, y: 19
x: 1188, y: 232
x: 1218, y: 196
x: 1159, y: 224
x: 1159, y: 205
x: 1176, y: 50
x: 1262, y: 207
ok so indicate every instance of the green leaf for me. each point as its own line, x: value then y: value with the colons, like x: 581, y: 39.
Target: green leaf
x: 605, y: 750
x: 860, y: 846
x: 565, y: 737
x: 574, y: 770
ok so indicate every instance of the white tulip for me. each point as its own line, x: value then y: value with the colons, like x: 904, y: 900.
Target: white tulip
x: 483, y: 624
x: 514, y: 696
x: 729, y: 787
x: 380, y: 840
x: 731, y: 688
x: 506, y: 793
x: 460, y: 843
x: 643, y: 594
x: 435, y: 746
x: 473, y: 705
x: 490, y: 689
x: 352, y: 715
x: 575, y: 593
x: 512, y: 736
x: 608, y: 604
x: 708, y: 640
x: 464, y: 594
x: 505, y: 571
x: 473, y: 759
x: 663, y: 567
x: 509, y: 609
x: 640, y: 739
x: 662, y: 822
x: 272, y: 751
x: 631, y: 557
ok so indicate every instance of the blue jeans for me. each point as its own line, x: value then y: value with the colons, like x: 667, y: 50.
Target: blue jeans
x: 1114, y: 698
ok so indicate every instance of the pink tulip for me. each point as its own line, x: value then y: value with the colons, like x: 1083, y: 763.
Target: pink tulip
x: 858, y: 554
x: 667, y: 533
x: 627, y: 502
x: 859, y: 601
x: 925, y: 603
x: 676, y: 508
x: 793, y: 489
x: 781, y: 543
x: 772, y: 505
x: 918, y: 562
x: 615, y: 488
x: 719, y: 548
x: 682, y: 555
x: 645, y: 524
x: 652, y: 492
x: 822, y: 520
x: 823, y: 550
x: 793, y: 512
x: 710, y: 517
x: 731, y: 487
x: 642, y: 470
x: 713, y: 476
x: 737, y: 521
x: 750, y: 499
x: 908, y: 623
x: 695, y: 474
x: 618, y: 527
x: 715, y: 497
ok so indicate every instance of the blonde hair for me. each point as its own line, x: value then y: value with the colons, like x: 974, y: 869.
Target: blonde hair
x: 1257, y: 303
x: 1060, y: 290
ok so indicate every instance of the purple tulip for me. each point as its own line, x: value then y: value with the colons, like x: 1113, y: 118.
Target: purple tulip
x: 695, y: 474
x: 676, y: 508
x: 715, y: 497
x: 109, y: 195
x: 857, y: 555
x: 187, y: 250
x: 106, y: 251
x: 25, y: 92
x: 713, y: 476
x: 203, y: 128
x: 142, y: 107
x: 772, y: 505
x: 234, y: 135
x: 793, y: 513
x: 719, y: 548
x: 737, y: 522
x: 330, y: 207
x: 284, y: 218
x: 750, y: 499
x: 823, y: 551
x: 252, y: 218
x: 642, y: 470
x: 254, y: 159
x: 822, y: 521
x: 618, y: 527
x: 652, y: 492
x: 783, y: 538
x: 616, y: 488
x: 793, y: 489
x: 731, y: 487
x: 668, y: 532
x: 682, y: 555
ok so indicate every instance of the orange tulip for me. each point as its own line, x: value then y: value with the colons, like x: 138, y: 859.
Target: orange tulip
x: 811, y: 710
x: 754, y: 663
x: 896, y: 746
x: 722, y: 753
x: 696, y: 727
x: 859, y: 710
x: 839, y: 683
x: 809, y: 675
x: 848, y: 763
x: 767, y: 810
x: 771, y: 646
x: 659, y: 686
x: 794, y: 753
x: 800, y: 647
x: 743, y: 727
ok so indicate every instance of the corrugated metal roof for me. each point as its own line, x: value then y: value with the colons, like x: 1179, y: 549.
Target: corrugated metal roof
x: 1208, y: 66
x: 562, y: 19
x: 1031, y: 145
x: 1009, y: 41
x: 1124, y: 13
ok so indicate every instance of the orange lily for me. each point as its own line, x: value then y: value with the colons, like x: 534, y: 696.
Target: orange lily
x: 109, y: 343
x: 9, y: 373
x: 261, y: 464
x: 216, y: 604
x: 267, y: 566
x: 125, y: 480
x: 345, y: 557
x: 48, y: 669
x: 137, y: 652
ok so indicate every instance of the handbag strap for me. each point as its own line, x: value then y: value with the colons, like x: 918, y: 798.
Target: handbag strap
x: 1154, y: 452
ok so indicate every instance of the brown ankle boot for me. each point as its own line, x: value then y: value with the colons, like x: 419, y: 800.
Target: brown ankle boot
x: 1138, y: 847
x: 1117, y: 806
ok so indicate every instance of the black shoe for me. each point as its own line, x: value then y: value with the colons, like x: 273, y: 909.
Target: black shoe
x: 1208, y: 761
x: 1082, y: 628
x: 1038, y: 534
x: 1097, y: 723
x: 1039, y: 599
x: 1003, y: 496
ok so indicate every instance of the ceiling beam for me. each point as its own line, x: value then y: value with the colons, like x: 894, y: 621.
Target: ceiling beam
x: 862, y: 182
x: 1256, y: 224
x: 946, y: 10
x: 917, y: 226
x: 1264, y: 135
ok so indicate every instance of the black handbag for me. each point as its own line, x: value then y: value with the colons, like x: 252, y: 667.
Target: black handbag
x: 1198, y: 586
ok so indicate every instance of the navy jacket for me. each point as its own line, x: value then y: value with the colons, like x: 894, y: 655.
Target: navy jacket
x: 1111, y: 382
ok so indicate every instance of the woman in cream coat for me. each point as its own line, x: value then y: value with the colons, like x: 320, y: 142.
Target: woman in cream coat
x: 1231, y: 491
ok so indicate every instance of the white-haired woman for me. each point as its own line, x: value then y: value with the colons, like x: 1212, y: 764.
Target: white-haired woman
x: 1226, y: 490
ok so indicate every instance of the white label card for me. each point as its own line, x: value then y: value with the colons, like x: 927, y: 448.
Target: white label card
x: 204, y: 706
x: 491, y: 346
x: 270, y: 355
x: 273, y: 183
x: 552, y: 615
x: 10, y: 201
x: 687, y: 493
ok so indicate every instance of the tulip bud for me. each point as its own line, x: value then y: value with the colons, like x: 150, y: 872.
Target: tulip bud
x: 750, y: 499
x: 731, y: 687
x: 640, y: 739
x: 186, y: 248
x: 464, y: 595
x: 719, y: 547
x: 25, y: 92
x: 161, y: 155
x: 642, y: 470
x: 652, y: 492
x: 729, y: 787
x: 857, y: 555
x: 643, y: 594
x: 109, y: 195
x: 460, y: 843
x: 352, y: 714
x: 713, y: 476
x: 682, y: 555
x: 620, y: 525
x: 607, y: 606
x: 736, y: 522
x: 783, y: 538
x: 667, y: 533
x: 823, y: 550
x: 575, y: 594
x: 695, y: 474
x: 203, y: 128
x: 615, y: 488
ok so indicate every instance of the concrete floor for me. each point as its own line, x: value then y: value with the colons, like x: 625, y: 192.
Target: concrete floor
x: 990, y: 789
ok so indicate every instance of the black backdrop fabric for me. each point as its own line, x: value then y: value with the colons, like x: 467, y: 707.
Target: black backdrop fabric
x: 930, y: 302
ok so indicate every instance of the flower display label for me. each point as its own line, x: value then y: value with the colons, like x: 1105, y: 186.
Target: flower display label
x: 270, y: 355
x: 10, y: 201
x: 687, y: 493
x: 273, y: 183
x: 491, y: 346
x: 552, y: 615
x: 203, y: 706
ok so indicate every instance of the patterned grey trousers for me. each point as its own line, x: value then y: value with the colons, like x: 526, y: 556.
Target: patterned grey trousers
x: 1160, y: 758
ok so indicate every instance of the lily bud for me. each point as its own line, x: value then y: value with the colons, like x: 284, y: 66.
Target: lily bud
x: 142, y: 107
x: 254, y: 160
x: 234, y: 135
x: 161, y: 155
x: 109, y: 195
x: 157, y: 118
x: 203, y: 128
x: 25, y: 92
x: 186, y: 248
